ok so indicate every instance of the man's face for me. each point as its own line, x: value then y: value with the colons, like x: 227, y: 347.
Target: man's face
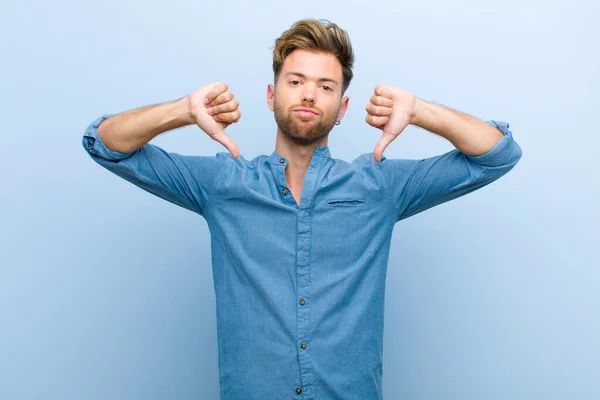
x: 307, y: 98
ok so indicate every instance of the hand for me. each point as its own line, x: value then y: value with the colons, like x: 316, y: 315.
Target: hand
x: 213, y: 108
x: 390, y: 110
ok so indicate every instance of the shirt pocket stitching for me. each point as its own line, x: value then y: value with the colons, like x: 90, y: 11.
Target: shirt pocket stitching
x: 345, y: 202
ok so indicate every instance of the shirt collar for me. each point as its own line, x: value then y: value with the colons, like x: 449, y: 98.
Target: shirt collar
x: 320, y: 151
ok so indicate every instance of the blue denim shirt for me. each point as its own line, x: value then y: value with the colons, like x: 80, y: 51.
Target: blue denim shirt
x: 300, y: 288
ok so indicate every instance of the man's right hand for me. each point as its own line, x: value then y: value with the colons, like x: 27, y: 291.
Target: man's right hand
x: 213, y: 108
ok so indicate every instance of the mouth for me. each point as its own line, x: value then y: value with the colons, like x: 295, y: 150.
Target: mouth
x: 305, y: 112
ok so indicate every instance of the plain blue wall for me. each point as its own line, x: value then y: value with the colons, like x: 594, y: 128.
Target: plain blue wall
x: 106, y: 291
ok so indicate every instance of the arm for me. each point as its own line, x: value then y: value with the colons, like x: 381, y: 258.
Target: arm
x: 468, y: 134
x: 132, y: 129
x: 119, y: 144
x: 485, y: 151
x: 211, y: 107
x: 391, y: 109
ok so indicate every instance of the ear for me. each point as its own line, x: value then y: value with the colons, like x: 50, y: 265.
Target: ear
x: 271, y: 96
x: 343, y: 108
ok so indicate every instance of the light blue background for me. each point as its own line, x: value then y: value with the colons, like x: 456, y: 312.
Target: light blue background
x: 106, y: 291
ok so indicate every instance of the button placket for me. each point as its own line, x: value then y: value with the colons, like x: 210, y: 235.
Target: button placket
x: 278, y: 168
x: 303, y: 274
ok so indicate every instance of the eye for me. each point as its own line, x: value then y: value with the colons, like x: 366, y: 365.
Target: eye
x: 295, y: 82
x: 327, y: 88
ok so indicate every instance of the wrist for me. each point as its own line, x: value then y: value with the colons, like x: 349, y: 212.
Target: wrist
x: 184, y: 111
x: 418, y: 112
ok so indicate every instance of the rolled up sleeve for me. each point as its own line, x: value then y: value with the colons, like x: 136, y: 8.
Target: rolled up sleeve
x: 96, y: 147
x: 417, y: 185
x: 506, y: 153
x: 186, y: 181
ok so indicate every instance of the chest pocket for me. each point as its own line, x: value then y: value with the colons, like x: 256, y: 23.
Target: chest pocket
x: 345, y: 202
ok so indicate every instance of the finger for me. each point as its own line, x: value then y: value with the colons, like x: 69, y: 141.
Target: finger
x: 226, y: 141
x: 381, y: 101
x: 384, y: 91
x: 230, y: 117
x: 224, y: 108
x: 381, y: 145
x: 221, y: 99
x: 218, y: 88
x: 378, y: 110
x: 376, y: 122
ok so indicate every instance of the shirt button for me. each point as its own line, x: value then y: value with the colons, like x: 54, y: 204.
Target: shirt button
x: 281, y: 161
x: 284, y: 191
x: 303, y: 345
x: 90, y: 145
x: 298, y: 390
x: 302, y: 302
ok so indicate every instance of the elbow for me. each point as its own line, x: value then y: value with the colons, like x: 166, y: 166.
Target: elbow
x: 110, y: 138
x: 101, y: 142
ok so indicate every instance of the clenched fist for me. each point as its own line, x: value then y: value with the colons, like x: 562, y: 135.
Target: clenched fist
x: 390, y: 109
x: 213, y: 108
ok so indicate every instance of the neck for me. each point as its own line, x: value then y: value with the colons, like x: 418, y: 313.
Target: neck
x: 299, y: 156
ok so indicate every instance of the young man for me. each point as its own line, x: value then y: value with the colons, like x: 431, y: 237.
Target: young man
x: 300, y: 241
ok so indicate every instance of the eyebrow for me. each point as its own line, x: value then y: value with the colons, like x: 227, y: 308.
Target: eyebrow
x: 304, y: 76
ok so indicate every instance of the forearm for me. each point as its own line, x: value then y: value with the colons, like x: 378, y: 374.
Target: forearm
x: 130, y: 130
x: 468, y: 134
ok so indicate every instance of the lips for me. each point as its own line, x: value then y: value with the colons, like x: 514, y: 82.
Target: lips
x: 306, y: 112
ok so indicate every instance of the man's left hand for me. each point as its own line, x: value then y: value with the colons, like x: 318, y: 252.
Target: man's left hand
x: 391, y: 109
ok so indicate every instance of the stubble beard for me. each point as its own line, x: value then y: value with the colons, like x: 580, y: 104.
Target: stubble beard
x: 300, y: 132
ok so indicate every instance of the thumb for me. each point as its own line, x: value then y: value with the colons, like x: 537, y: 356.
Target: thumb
x: 226, y: 141
x: 385, y: 140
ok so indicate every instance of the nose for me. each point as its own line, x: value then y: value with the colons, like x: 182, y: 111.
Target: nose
x: 308, y: 94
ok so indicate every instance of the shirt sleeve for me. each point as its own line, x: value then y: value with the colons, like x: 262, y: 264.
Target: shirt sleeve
x: 417, y: 185
x: 186, y: 181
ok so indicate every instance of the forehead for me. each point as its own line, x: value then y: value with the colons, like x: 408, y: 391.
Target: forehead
x: 313, y: 65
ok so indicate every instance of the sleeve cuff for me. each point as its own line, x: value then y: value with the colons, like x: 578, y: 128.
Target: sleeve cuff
x: 95, y: 146
x: 502, y: 151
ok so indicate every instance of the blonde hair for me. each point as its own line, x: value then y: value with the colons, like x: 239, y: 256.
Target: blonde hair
x: 320, y: 36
